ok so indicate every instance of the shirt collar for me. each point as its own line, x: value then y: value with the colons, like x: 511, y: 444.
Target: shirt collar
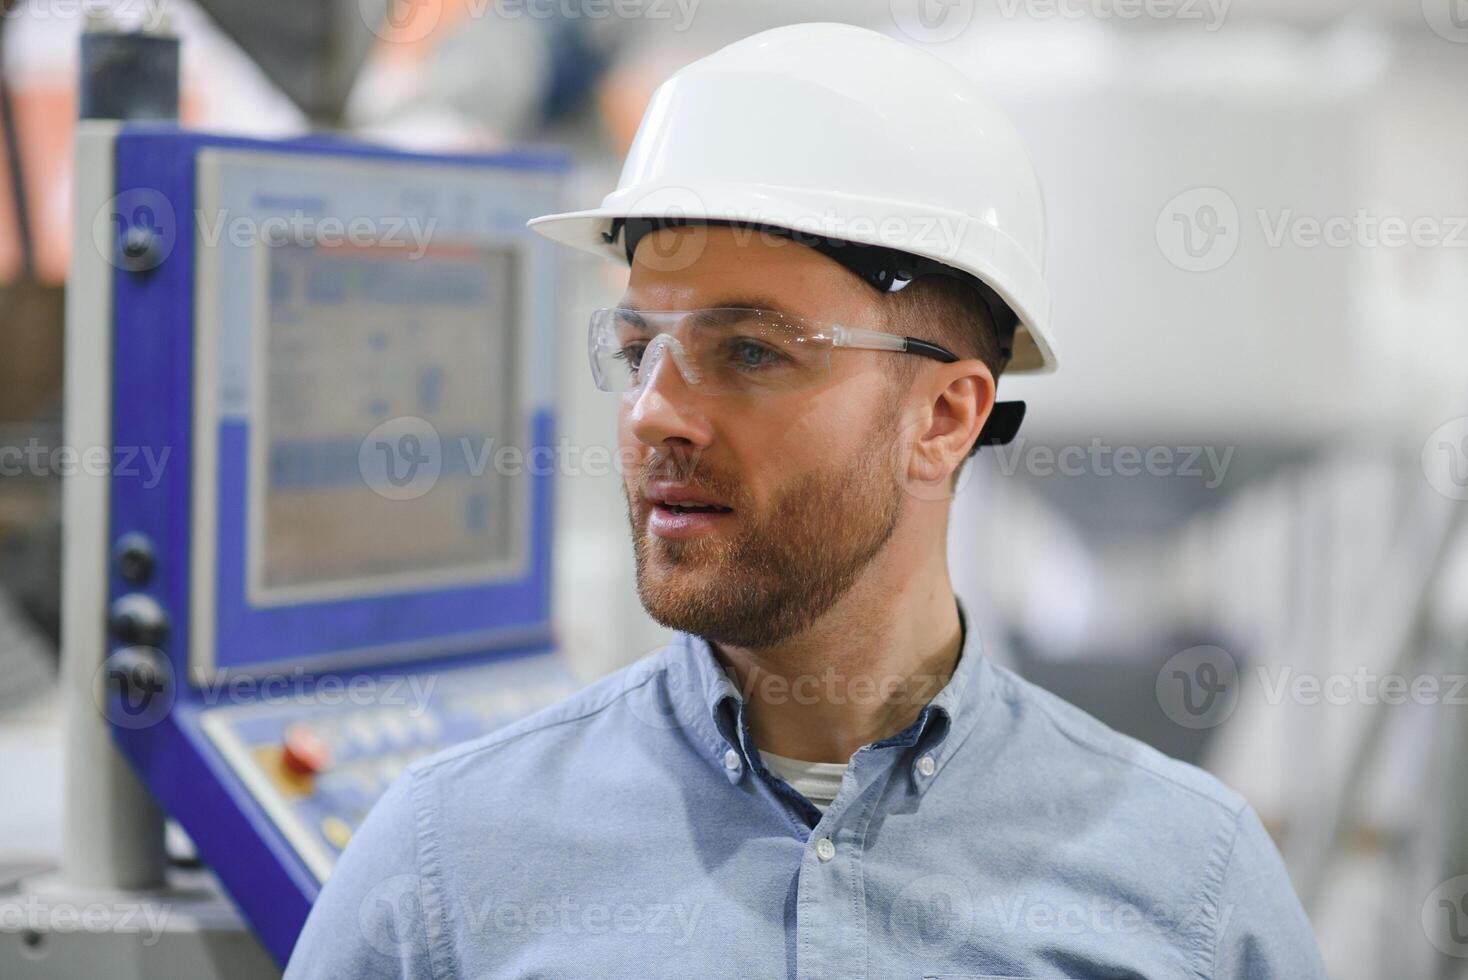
x: 711, y: 704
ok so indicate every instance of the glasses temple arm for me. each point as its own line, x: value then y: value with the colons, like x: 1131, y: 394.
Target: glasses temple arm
x: 1004, y: 418
x: 857, y: 338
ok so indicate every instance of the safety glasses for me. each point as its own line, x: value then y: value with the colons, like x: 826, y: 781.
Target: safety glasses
x: 729, y: 350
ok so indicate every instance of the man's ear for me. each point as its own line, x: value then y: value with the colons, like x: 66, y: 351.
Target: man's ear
x: 958, y: 398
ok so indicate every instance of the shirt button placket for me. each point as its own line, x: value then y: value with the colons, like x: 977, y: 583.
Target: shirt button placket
x: 818, y: 927
x: 831, y: 939
x: 831, y: 915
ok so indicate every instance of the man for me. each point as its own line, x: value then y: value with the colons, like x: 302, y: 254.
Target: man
x: 834, y: 246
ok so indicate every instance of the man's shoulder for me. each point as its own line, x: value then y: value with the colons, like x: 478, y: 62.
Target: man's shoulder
x: 1060, y: 736
x: 1102, y: 806
x: 454, y: 820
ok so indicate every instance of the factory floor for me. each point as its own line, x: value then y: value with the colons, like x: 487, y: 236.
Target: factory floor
x: 31, y: 762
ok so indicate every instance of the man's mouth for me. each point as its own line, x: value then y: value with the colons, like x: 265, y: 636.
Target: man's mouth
x: 692, y: 508
x: 681, y: 512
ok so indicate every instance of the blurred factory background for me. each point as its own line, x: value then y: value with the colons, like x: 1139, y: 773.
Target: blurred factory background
x: 1250, y: 472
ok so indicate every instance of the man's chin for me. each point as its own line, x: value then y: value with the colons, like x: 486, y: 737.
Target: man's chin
x: 700, y: 551
x: 675, y: 564
x: 675, y: 600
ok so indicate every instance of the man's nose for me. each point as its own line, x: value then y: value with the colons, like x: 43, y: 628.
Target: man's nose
x: 667, y: 410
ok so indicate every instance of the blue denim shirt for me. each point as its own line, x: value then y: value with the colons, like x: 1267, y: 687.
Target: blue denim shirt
x: 631, y: 832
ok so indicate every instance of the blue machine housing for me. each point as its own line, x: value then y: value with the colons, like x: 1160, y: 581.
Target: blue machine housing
x: 388, y: 636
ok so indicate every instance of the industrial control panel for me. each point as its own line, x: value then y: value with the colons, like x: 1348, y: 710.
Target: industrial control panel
x: 334, y: 570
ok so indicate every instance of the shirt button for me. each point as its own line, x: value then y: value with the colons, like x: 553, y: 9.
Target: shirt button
x: 731, y: 759
x: 926, y: 766
x: 825, y: 850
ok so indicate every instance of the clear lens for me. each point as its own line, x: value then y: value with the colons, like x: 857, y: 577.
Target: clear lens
x: 718, y: 351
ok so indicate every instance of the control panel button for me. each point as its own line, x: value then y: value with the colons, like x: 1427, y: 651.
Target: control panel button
x: 303, y: 751
x: 395, y: 726
x: 336, y: 832
x: 135, y: 559
x: 138, y: 620
x: 362, y: 731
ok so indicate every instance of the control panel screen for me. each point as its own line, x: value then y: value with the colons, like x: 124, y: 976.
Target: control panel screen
x: 389, y: 398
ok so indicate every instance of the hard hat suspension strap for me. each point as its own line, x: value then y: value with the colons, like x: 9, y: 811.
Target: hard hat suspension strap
x: 886, y: 270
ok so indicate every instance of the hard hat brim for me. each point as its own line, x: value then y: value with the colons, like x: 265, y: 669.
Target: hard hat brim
x: 1034, y: 350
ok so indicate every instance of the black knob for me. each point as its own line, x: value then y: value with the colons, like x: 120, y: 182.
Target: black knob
x: 138, y: 620
x: 134, y: 556
x: 140, y: 690
x: 138, y: 668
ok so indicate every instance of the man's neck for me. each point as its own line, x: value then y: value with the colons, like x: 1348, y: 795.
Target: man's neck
x: 860, y: 673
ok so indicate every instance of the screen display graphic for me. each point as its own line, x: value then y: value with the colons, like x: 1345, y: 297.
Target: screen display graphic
x: 388, y: 382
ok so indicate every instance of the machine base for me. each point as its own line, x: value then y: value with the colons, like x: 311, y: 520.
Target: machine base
x: 188, y: 931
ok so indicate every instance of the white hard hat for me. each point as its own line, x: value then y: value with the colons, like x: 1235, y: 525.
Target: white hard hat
x: 840, y: 132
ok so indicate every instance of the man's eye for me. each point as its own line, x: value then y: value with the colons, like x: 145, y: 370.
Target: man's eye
x: 753, y: 354
x: 632, y: 354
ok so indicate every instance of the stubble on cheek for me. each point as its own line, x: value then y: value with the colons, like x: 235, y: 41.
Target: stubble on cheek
x: 785, y: 564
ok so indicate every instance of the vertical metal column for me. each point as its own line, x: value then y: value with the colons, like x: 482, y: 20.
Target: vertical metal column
x: 113, y: 833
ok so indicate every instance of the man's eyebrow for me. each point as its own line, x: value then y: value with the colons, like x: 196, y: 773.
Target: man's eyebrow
x: 710, y: 316
x: 753, y: 302
x: 729, y: 310
x: 628, y: 315
x: 738, y: 302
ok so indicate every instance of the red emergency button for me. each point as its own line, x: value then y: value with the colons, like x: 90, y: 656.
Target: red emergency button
x: 303, y: 751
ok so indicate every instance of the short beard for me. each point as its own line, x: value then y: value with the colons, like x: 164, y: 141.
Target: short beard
x: 783, y: 570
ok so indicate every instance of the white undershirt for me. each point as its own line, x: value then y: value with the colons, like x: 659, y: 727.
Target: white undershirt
x: 818, y: 782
